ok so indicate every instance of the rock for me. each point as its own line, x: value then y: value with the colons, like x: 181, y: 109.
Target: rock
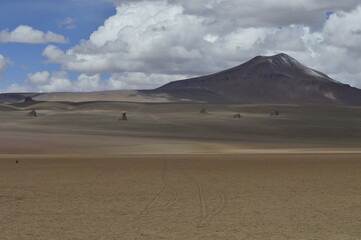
x: 124, y: 117
x: 28, y: 99
x: 203, y: 110
x: 275, y: 113
x: 32, y: 114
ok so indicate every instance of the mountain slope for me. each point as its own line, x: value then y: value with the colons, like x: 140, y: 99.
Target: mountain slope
x: 274, y: 79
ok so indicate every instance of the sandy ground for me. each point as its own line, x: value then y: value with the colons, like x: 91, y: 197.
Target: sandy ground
x: 172, y: 173
x: 256, y: 196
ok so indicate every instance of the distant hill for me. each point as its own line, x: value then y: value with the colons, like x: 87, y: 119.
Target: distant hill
x: 275, y: 79
x: 15, y: 97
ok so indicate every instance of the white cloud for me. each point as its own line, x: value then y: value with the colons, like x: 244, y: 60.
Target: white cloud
x: 57, y: 82
x: 43, y: 82
x: 142, y: 37
x: 15, y: 88
x: 88, y: 83
x: 39, y: 77
x: 68, y: 23
x: 147, y: 43
x: 60, y: 82
x: 26, y: 34
x: 139, y: 80
x: 4, y: 63
x: 259, y: 13
x: 344, y: 30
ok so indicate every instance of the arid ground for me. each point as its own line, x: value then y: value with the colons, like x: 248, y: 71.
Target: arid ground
x: 172, y: 173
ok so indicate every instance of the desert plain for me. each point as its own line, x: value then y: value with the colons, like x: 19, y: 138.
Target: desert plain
x: 169, y: 172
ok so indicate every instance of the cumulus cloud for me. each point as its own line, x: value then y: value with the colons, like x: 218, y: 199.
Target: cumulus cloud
x: 4, y: 63
x: 259, y: 13
x: 38, y: 77
x: 49, y: 82
x: 343, y: 30
x: 26, y: 34
x: 149, y: 37
x: 43, y: 82
x: 139, y: 80
x: 61, y: 82
x: 336, y: 49
x: 15, y: 88
x: 58, y: 82
x: 147, y: 43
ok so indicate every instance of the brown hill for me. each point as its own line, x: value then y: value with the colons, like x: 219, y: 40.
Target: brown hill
x: 274, y: 79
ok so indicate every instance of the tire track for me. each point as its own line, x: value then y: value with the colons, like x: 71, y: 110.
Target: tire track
x: 175, y: 191
x: 206, y: 213
x: 217, y: 210
x: 166, y: 188
x: 175, y: 200
x: 150, y: 207
x: 158, y: 195
x: 204, y: 207
x: 200, y: 192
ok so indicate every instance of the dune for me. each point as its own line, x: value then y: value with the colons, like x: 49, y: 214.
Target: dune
x: 6, y: 107
x: 119, y: 95
x: 179, y: 125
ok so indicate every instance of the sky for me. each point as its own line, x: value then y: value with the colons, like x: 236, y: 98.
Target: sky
x: 93, y: 45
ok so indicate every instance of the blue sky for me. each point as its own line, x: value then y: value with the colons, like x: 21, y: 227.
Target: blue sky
x: 90, y: 45
x: 45, y: 15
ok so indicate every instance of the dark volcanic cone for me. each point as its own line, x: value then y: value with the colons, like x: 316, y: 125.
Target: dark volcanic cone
x: 274, y: 79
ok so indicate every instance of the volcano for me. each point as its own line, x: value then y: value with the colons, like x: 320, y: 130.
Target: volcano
x: 278, y: 79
